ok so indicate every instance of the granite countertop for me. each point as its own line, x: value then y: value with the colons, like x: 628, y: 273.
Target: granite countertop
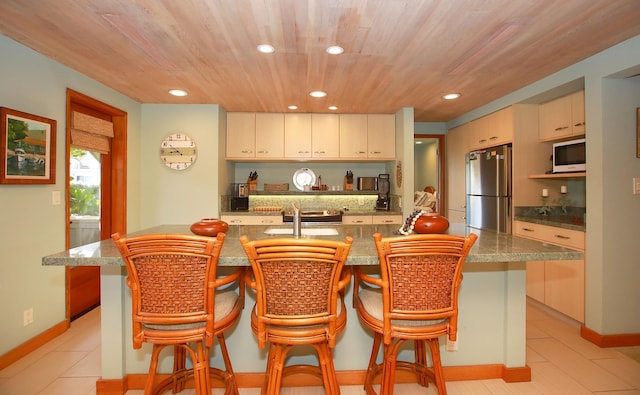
x: 490, y: 246
x: 279, y: 213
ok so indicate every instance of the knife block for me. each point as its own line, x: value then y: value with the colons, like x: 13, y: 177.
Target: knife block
x: 347, y: 186
x: 253, y: 185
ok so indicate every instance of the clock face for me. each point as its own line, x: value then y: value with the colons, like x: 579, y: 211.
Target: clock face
x: 178, y: 151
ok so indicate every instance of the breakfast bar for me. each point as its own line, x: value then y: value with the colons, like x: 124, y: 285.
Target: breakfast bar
x: 491, y: 336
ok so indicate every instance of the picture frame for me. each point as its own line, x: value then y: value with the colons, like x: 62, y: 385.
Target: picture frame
x: 27, y: 148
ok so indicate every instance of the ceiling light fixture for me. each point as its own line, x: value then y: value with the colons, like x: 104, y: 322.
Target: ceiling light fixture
x: 292, y: 107
x: 266, y: 48
x: 451, y: 96
x: 178, y: 92
x: 418, y: 142
x: 332, y: 108
x: 335, y: 50
x: 317, y: 93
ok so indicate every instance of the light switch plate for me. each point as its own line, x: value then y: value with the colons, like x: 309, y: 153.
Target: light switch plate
x: 636, y: 185
x: 55, y: 198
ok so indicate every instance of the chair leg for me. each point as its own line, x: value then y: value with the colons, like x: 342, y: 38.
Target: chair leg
x: 372, y: 367
x: 388, y: 379
x: 275, y: 367
x: 153, y: 366
x: 434, y: 346
x: 232, y: 386
x: 325, y: 361
x: 201, y: 379
x: 420, y: 352
x: 179, y: 364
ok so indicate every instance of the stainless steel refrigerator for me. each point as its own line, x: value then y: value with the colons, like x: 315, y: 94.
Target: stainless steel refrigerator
x: 488, y: 174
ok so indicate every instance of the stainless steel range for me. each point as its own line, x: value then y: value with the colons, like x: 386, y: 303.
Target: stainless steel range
x: 315, y: 216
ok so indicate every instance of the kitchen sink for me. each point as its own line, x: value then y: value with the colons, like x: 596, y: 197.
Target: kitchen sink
x: 305, y: 231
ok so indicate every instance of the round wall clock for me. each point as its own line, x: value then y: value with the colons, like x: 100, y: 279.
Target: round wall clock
x: 178, y: 151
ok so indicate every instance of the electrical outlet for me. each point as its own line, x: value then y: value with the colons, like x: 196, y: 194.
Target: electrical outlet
x: 361, y: 200
x: 452, y: 345
x: 27, y: 316
x: 636, y: 185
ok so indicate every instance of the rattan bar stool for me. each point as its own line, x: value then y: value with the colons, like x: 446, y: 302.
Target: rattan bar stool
x: 299, y: 285
x: 415, y: 298
x: 179, y: 301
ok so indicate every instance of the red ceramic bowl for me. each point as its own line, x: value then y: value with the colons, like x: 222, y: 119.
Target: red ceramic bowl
x: 209, y: 227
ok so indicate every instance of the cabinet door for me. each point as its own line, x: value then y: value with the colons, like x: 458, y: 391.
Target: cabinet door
x: 297, y: 136
x: 241, y: 135
x: 577, y: 113
x: 353, y: 136
x: 381, y: 136
x: 386, y: 219
x: 535, y: 280
x: 500, y: 127
x: 456, y: 147
x: 564, y: 287
x: 555, y: 119
x: 456, y: 217
x: 269, y: 135
x: 356, y: 220
x: 478, y: 133
x: 325, y: 136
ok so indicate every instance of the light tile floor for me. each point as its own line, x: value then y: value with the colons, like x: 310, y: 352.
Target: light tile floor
x: 561, y: 363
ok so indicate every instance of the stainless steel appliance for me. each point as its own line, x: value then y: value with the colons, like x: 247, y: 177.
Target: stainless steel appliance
x: 239, y: 197
x: 314, y: 216
x: 384, y: 186
x: 367, y: 183
x: 488, y: 174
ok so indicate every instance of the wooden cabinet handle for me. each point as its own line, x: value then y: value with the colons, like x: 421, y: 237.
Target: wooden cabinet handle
x: 561, y: 128
x: 562, y: 237
x: 527, y: 229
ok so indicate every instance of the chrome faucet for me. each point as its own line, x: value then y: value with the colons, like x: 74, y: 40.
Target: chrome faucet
x: 297, y: 221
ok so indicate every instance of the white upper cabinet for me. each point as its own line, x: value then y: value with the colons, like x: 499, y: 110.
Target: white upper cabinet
x: 492, y: 130
x: 297, y: 136
x: 381, y: 136
x: 241, y: 135
x: 562, y: 117
x: 269, y: 135
x: 353, y: 136
x: 286, y: 137
x: 325, y: 136
x: 368, y: 137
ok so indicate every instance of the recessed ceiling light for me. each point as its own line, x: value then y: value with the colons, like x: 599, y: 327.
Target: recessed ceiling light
x: 451, y: 96
x: 332, y: 108
x: 292, y: 107
x: 418, y: 142
x: 177, y: 92
x: 266, y: 48
x: 317, y: 93
x: 335, y: 50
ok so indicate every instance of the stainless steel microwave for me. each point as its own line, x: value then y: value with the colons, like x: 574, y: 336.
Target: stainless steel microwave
x: 570, y: 156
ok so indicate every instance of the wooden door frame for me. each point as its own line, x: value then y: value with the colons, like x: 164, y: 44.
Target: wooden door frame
x: 441, y: 163
x: 115, y: 206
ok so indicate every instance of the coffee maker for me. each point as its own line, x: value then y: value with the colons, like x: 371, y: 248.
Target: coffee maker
x: 240, y: 197
x: 383, y: 192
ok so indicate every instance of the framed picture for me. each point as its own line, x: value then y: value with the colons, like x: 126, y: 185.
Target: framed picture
x: 27, y: 148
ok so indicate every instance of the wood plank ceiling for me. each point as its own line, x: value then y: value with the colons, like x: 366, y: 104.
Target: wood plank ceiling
x: 398, y: 53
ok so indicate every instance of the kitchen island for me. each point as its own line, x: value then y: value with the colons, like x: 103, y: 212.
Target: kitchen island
x: 492, y: 306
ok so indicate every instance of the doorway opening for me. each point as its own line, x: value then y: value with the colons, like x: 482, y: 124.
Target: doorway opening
x: 95, y: 199
x: 429, y: 160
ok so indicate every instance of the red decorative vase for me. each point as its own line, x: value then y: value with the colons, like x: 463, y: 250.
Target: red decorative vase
x: 431, y: 223
x: 209, y: 227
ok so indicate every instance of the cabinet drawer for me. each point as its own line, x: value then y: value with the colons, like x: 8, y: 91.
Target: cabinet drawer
x: 386, y: 219
x: 550, y: 234
x: 356, y: 220
x: 252, y: 219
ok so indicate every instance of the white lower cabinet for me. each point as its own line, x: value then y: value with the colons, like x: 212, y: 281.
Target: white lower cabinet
x: 356, y: 219
x: 252, y: 219
x: 558, y: 284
